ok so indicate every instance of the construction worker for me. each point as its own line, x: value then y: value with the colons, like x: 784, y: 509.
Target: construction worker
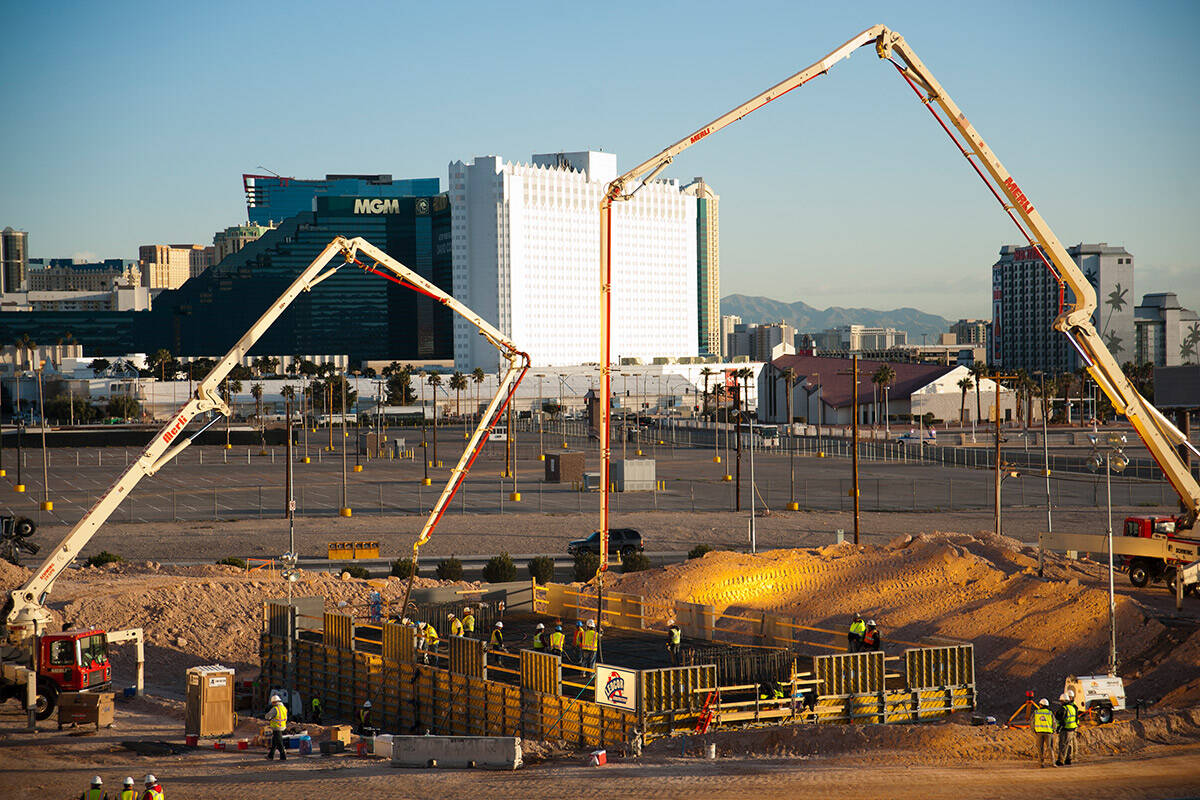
x: 577, y: 638
x: 277, y: 720
x: 468, y: 622
x: 95, y: 791
x: 539, y: 643
x: 316, y: 710
x: 456, y: 626
x: 674, y: 638
x: 154, y: 790
x: 431, y: 640
x: 127, y: 791
x: 855, y: 636
x: 557, y: 640
x: 871, y: 640
x: 364, y: 718
x: 497, y: 640
x: 1043, y: 730
x: 1068, y: 723
x: 591, y: 640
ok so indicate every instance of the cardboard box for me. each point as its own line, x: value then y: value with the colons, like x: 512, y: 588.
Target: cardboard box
x: 340, y: 733
x: 85, y: 707
x: 209, y: 701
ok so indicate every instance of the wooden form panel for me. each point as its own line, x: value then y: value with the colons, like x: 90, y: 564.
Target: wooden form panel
x: 680, y: 689
x: 932, y: 667
x: 399, y: 643
x: 339, y: 630
x: 850, y: 673
x: 468, y: 656
x: 541, y: 672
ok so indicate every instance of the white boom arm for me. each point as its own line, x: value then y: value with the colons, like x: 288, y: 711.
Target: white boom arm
x: 26, y: 616
x: 1159, y: 435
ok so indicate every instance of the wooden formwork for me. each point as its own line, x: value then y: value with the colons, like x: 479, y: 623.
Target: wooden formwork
x: 541, y: 672
x: 468, y: 656
x: 399, y: 643
x: 850, y: 673
x: 931, y: 667
x: 339, y: 630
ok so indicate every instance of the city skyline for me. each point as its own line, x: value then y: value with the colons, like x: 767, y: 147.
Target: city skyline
x: 844, y: 193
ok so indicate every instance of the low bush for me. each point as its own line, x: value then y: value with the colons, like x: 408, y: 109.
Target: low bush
x: 699, y: 550
x: 635, y: 562
x: 102, y: 558
x: 586, y: 565
x: 402, y: 567
x: 450, y: 569
x: 233, y: 561
x: 500, y: 569
x: 355, y: 571
x: 541, y: 569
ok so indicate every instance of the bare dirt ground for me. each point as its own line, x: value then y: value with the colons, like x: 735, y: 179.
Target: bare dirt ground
x: 1029, y: 633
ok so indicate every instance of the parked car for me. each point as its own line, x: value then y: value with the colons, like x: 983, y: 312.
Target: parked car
x: 620, y: 540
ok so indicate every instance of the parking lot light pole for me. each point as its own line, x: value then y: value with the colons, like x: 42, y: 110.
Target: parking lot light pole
x: 47, y: 505
x: 1111, y: 456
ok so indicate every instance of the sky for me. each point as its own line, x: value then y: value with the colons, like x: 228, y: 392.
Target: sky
x: 132, y: 123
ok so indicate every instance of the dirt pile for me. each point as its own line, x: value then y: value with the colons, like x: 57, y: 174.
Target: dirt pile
x: 1029, y: 632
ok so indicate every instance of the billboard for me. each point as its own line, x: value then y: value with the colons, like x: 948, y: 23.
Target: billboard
x: 616, y: 687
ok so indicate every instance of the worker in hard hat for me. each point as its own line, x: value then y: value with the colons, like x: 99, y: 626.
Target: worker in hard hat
x: 674, y: 640
x: 577, y: 639
x: 1043, y: 730
x: 277, y: 716
x: 870, y: 639
x: 431, y: 641
x: 557, y: 640
x: 95, y: 791
x: 854, y: 636
x: 364, y: 718
x: 591, y: 642
x: 315, y: 714
x: 154, y: 790
x: 539, y: 643
x: 456, y: 626
x: 468, y: 622
x: 1068, y: 724
x: 497, y: 640
x: 127, y: 790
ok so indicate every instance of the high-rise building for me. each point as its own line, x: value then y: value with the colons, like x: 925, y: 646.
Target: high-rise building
x: 14, y: 256
x: 859, y: 338
x: 527, y: 253
x: 729, y: 323
x: 169, y: 266
x: 1025, y: 302
x: 274, y: 197
x: 971, y: 331
x: 65, y: 275
x: 708, y: 265
x: 1168, y: 335
x: 234, y: 238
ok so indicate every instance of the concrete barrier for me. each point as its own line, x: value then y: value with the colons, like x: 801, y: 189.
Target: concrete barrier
x: 492, y: 752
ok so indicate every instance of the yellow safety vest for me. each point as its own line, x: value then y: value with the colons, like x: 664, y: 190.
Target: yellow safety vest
x: 277, y: 719
x: 1043, y: 721
x: 497, y: 637
x: 557, y: 639
x: 537, y: 641
x: 431, y: 638
x: 154, y: 793
x: 858, y: 627
x: 589, y: 639
x: 456, y: 627
x: 128, y: 794
x: 676, y: 635
x: 1070, y: 717
x: 95, y: 794
x: 468, y: 623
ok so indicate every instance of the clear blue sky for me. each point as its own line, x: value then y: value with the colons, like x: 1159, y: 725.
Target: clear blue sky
x: 131, y: 123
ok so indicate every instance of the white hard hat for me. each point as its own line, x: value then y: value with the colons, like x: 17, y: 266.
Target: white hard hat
x: 275, y: 699
x: 422, y: 624
x: 150, y: 779
x: 450, y: 615
x: 96, y: 781
x: 870, y: 623
x: 367, y: 704
x: 342, y: 604
x: 591, y: 623
x: 1070, y: 694
x: 541, y: 627
x: 129, y: 781
x: 1044, y: 702
x: 467, y: 610
x: 499, y: 624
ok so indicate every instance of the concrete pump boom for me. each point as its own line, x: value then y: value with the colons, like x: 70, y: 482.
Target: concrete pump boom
x: 1159, y: 435
x: 25, y: 614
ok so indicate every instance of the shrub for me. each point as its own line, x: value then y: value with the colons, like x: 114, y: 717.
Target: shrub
x: 635, y: 562
x: 499, y: 569
x: 355, y: 571
x: 698, y: 551
x: 450, y: 569
x: 586, y: 565
x: 102, y: 558
x: 403, y: 567
x: 233, y: 561
x: 541, y: 569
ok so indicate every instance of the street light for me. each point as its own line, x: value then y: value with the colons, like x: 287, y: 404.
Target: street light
x: 46, y: 504
x: 1112, y: 458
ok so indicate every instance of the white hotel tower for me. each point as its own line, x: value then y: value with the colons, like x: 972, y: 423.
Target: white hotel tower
x: 526, y: 251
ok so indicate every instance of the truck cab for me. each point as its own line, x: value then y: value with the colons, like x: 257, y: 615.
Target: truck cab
x: 69, y: 661
x: 1143, y: 570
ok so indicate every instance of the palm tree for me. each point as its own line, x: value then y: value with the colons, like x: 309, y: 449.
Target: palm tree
x: 707, y: 373
x: 256, y: 391
x: 886, y: 376
x: 458, y: 382
x: 789, y: 381
x: 478, y: 376
x: 25, y: 343
x: 978, y: 370
x: 99, y: 366
x: 965, y: 385
x: 1188, y: 347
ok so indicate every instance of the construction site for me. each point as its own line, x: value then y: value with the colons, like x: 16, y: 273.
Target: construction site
x: 825, y: 643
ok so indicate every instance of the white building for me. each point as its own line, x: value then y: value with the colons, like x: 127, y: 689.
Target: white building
x: 526, y: 254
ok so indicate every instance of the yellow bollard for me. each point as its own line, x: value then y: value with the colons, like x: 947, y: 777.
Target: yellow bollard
x: 358, y: 467
x: 727, y: 478
x: 20, y: 487
x: 306, y: 460
x: 3, y: 472
x: 541, y: 456
x: 426, y: 481
x: 345, y: 512
x: 515, y: 497
x: 638, y: 452
x: 47, y: 505
x: 229, y: 447
x: 716, y: 459
x: 793, y: 506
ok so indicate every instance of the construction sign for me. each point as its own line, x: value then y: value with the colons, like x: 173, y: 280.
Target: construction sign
x: 616, y: 687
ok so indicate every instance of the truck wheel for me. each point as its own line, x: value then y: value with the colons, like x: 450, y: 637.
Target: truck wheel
x: 45, y: 701
x: 1104, y: 713
x: 1139, y: 573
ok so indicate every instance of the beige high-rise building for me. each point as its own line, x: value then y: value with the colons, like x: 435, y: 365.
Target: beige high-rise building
x: 234, y: 238
x: 169, y: 266
x: 708, y: 265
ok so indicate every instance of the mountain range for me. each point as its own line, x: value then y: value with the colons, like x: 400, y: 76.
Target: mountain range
x: 806, y: 319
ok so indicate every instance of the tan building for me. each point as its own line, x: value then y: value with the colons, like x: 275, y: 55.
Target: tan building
x: 64, y: 275
x: 234, y: 238
x: 169, y: 266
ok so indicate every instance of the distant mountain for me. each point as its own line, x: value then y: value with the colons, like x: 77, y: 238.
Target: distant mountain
x: 806, y: 319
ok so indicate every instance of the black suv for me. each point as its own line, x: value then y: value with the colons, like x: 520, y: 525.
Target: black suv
x: 620, y: 540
